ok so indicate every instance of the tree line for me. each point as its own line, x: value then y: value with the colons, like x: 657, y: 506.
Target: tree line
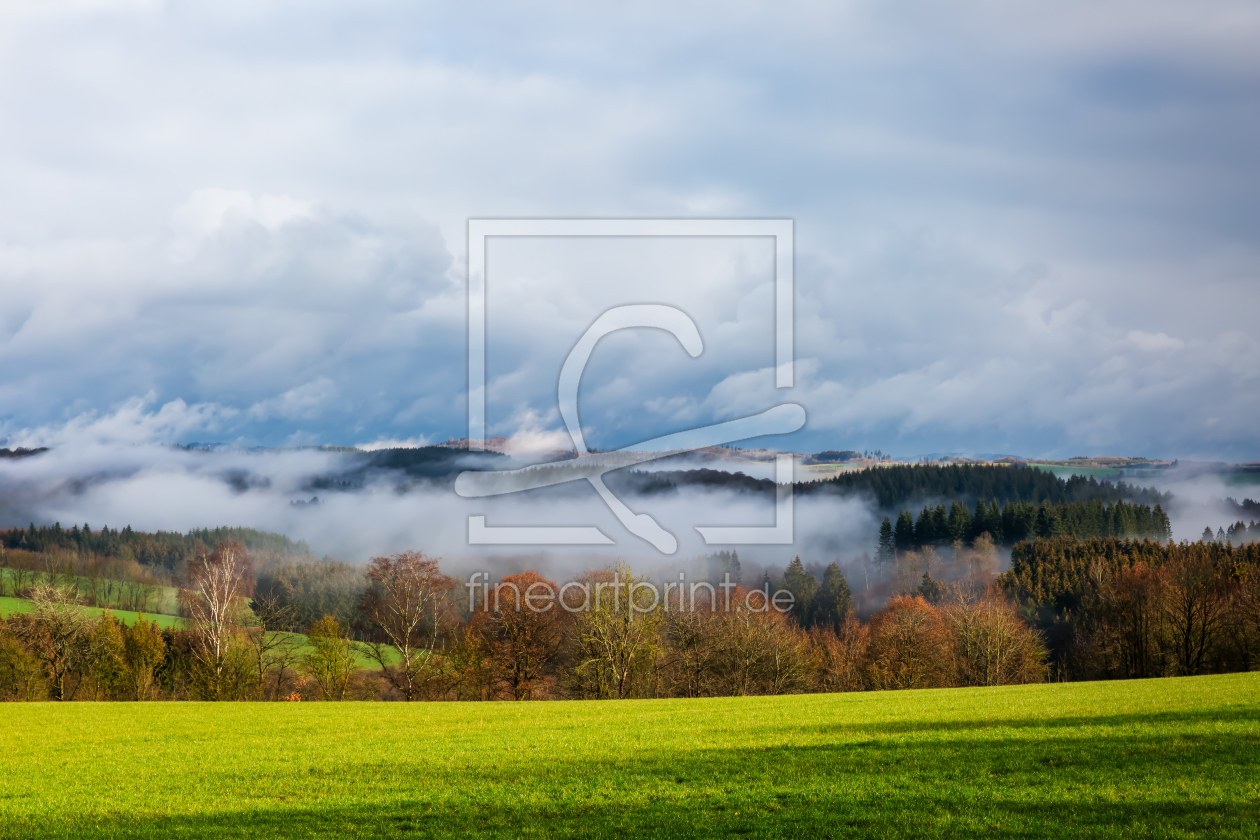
x: 1067, y: 609
x: 1015, y: 521
x: 1239, y: 532
x: 421, y: 635
x: 898, y: 485
x: 166, y: 550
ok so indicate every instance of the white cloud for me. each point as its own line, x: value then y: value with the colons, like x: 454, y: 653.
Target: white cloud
x: 531, y: 437
x: 1018, y: 223
x: 132, y: 422
x: 303, y: 402
x: 395, y: 443
x: 1154, y: 343
x: 207, y: 211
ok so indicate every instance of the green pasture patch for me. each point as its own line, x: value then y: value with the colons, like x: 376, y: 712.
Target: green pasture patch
x: 165, y: 599
x: 1171, y: 758
x: 8, y: 606
x: 392, y: 656
x: 1060, y: 471
x: 1242, y: 479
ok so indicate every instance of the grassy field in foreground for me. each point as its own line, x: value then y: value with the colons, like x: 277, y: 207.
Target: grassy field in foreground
x: 1155, y: 758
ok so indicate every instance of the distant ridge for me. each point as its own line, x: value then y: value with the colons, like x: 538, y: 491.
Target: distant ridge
x: 21, y: 453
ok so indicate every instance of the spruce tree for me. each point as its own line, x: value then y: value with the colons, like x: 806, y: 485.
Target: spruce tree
x: 884, y: 552
x: 979, y: 521
x: 1163, y: 524
x: 924, y: 529
x: 940, y: 522
x: 803, y: 587
x: 959, y: 522
x: 833, y: 601
x: 903, y: 533
x: 995, y: 522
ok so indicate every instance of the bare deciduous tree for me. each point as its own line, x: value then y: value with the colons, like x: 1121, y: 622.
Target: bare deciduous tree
x: 1196, y: 606
x: 214, y: 597
x: 21, y: 565
x: 759, y: 649
x: 907, y: 646
x: 1131, y: 637
x: 989, y: 644
x: 407, y: 602
x: 982, y: 560
x: 692, y: 651
x: 839, y: 654
x: 273, y: 652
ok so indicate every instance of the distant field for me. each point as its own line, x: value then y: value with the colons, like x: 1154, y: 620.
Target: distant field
x: 818, y: 471
x: 1097, y: 472
x: 21, y: 605
x: 1156, y: 758
x: 165, y: 599
x: 1244, y: 480
x: 1247, y: 479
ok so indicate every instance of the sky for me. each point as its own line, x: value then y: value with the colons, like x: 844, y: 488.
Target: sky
x: 1025, y: 228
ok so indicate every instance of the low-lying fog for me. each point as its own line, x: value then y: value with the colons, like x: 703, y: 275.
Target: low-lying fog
x: 164, y: 488
x: 155, y: 487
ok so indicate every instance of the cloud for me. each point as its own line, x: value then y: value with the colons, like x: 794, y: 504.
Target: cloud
x: 394, y: 443
x: 305, y: 401
x: 209, y: 211
x: 1018, y: 227
x: 1156, y: 342
x: 151, y: 487
x: 129, y: 423
x: 276, y: 309
x: 532, y: 439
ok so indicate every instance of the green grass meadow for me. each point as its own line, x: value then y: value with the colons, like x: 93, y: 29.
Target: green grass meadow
x: 1242, y: 480
x: 8, y: 606
x: 165, y: 599
x: 1100, y: 473
x: 1156, y: 758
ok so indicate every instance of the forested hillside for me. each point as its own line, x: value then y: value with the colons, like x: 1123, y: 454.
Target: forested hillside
x: 162, y: 550
x: 434, y: 464
x: 1139, y: 608
x: 896, y: 486
x: 1016, y: 521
